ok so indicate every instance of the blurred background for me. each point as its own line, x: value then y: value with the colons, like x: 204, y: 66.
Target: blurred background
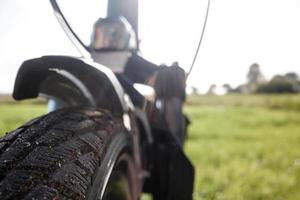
x: 243, y: 101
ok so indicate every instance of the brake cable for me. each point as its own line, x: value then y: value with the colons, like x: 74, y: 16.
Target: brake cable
x: 200, y: 41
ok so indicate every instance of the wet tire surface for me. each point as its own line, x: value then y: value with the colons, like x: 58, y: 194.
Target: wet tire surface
x: 55, y: 156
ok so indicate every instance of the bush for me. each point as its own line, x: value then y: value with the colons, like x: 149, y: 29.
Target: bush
x: 279, y: 84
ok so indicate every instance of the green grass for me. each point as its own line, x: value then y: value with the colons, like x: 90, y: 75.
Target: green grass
x: 245, y: 152
x: 286, y: 102
x: 242, y: 147
x: 13, y: 115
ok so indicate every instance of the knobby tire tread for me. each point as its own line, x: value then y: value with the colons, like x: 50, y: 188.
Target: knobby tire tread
x: 56, y: 155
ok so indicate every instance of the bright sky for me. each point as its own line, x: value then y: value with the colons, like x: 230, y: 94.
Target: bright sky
x: 238, y: 33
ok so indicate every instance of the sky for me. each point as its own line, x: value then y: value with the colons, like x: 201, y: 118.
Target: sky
x: 238, y: 33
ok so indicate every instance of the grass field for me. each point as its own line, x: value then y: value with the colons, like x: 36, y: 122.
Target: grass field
x: 243, y: 147
x: 245, y: 151
x: 14, y: 114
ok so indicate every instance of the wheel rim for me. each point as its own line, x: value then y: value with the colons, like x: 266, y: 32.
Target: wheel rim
x: 121, y: 182
x: 113, y: 160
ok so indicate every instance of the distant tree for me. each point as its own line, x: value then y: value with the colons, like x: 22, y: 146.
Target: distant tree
x: 254, y: 74
x: 228, y: 88
x: 278, y: 84
x: 293, y: 78
x: 254, y: 77
x: 212, y: 89
x: 243, y: 89
x: 195, y: 91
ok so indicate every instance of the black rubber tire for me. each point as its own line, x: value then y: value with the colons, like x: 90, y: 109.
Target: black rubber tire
x: 57, y: 156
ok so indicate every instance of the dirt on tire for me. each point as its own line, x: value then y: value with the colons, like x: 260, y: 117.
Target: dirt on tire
x: 56, y: 155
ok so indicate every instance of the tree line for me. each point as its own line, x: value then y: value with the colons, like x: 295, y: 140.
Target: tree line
x: 257, y: 83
